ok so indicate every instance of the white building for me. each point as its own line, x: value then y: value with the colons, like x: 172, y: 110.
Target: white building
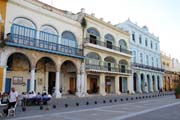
x: 146, y: 63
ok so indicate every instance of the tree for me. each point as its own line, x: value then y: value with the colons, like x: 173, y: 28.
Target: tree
x: 83, y: 25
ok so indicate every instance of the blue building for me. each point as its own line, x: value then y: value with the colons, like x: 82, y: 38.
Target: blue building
x: 146, y: 62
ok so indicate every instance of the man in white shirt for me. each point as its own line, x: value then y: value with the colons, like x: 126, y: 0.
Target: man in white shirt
x: 13, y: 99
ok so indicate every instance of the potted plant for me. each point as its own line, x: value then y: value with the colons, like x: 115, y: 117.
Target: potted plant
x: 177, y: 93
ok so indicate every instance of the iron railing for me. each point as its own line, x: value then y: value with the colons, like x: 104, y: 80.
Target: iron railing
x: 107, y: 68
x: 147, y: 67
x: 26, y: 41
x: 105, y: 44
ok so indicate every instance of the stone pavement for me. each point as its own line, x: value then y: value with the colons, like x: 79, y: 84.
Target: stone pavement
x: 151, y: 109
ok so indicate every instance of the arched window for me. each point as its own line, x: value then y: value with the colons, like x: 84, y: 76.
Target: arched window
x: 93, y: 35
x: 109, y: 39
x: 48, y: 33
x: 93, y: 58
x: 23, y: 27
x: 123, y: 64
x: 68, y: 39
x: 123, y: 44
x: 110, y: 63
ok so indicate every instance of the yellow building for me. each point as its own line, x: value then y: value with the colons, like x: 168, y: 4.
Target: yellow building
x: 170, y: 76
x: 2, y: 19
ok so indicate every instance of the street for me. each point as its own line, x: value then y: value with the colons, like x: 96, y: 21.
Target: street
x: 167, y: 108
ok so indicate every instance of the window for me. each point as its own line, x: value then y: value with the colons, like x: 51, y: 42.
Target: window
x: 151, y: 45
x: 93, y: 35
x: 146, y: 42
x: 152, y: 61
x: 140, y: 39
x: 68, y: 39
x: 133, y: 36
x: 141, y: 58
x: 156, y: 46
x: 48, y: 33
x: 123, y: 44
x: 134, y: 56
x: 109, y: 39
x: 157, y: 62
x: 147, y: 59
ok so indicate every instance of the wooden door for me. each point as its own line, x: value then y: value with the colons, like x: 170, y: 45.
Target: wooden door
x: 71, y: 85
x: 93, y: 85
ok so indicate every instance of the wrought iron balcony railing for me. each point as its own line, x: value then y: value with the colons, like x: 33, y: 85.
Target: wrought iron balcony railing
x: 107, y: 45
x: 41, y: 45
x: 106, y: 68
x: 147, y: 67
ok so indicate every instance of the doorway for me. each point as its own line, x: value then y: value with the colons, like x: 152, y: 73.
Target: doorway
x: 8, y: 85
x: 93, y: 85
x: 72, y: 86
x: 51, y: 82
x: 93, y: 39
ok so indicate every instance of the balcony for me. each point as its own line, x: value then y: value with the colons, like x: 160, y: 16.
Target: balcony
x: 107, y: 45
x: 99, y: 68
x: 147, y: 67
x: 41, y: 45
x: 24, y: 37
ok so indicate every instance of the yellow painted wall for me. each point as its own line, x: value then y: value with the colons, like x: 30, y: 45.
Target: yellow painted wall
x: 1, y: 78
x: 3, y: 13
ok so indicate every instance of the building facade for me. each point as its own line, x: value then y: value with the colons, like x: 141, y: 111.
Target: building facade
x: 171, y: 75
x: 49, y: 51
x: 2, y: 19
x: 146, y: 62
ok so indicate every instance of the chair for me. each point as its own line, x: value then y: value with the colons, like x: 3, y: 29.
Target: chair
x: 12, y: 111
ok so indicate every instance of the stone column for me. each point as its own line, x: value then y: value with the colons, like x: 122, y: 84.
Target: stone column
x: 151, y: 83
x: 4, y: 79
x: 117, y: 85
x: 156, y: 84
x: 32, y: 79
x: 145, y: 83
x: 161, y: 81
x: 132, y: 82
x: 78, y: 85
x: 102, y: 84
x: 139, y: 83
x: 129, y: 84
x: 57, y: 84
x: 46, y: 80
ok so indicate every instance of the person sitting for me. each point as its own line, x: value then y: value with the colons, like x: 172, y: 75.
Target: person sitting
x: 38, y: 98
x: 30, y: 98
x: 5, y: 98
x: 45, y: 98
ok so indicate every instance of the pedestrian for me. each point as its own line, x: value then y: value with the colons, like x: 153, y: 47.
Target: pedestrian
x: 13, y: 99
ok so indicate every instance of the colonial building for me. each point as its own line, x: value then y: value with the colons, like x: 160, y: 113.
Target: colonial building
x: 43, y: 49
x: 171, y: 75
x: 146, y: 63
x: 48, y: 50
x: 107, y: 57
x: 2, y: 19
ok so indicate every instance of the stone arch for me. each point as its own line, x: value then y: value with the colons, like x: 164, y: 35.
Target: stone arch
x: 109, y: 39
x: 93, y: 55
x: 16, y: 56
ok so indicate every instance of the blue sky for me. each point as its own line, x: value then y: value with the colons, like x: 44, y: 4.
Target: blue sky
x: 162, y: 17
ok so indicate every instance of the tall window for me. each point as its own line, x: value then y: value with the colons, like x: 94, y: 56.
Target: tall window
x: 133, y: 36
x: 68, y: 39
x: 93, y: 35
x: 109, y: 39
x: 147, y: 59
x: 156, y: 46
x: 24, y: 27
x: 151, y: 45
x: 134, y: 56
x: 141, y: 58
x: 157, y: 62
x: 48, y: 33
x: 140, y: 39
x: 146, y: 42
x: 152, y: 61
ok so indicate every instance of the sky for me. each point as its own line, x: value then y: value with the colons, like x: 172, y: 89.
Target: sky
x: 162, y: 17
